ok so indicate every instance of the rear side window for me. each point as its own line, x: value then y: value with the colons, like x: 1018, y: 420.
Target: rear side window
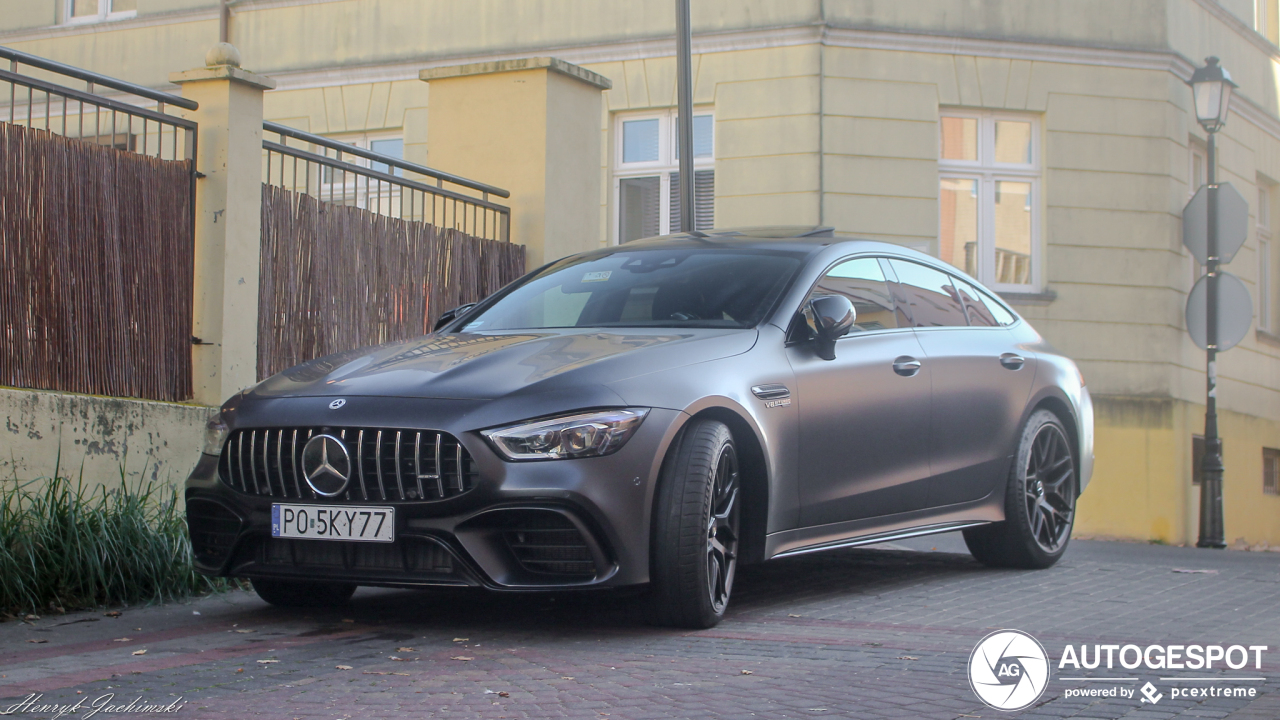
x: 863, y: 282
x: 979, y: 314
x: 990, y: 308
x: 931, y: 299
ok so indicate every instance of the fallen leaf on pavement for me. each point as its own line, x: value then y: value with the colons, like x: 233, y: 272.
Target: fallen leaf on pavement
x: 504, y: 694
x: 400, y: 659
x: 747, y: 672
x: 267, y: 662
x: 239, y: 670
x: 111, y: 613
x: 460, y: 639
x: 343, y: 667
x: 139, y: 652
x: 123, y: 640
x: 245, y: 631
x: 790, y: 615
x: 37, y: 641
x: 459, y: 657
x: 405, y: 649
x: 907, y: 657
x: 566, y: 677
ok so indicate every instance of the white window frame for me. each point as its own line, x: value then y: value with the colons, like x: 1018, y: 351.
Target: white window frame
x: 988, y: 172
x: 666, y: 164
x: 104, y: 13
x: 353, y: 188
x: 1264, y: 256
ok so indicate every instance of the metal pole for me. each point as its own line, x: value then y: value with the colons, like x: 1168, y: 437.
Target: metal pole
x: 684, y: 108
x: 1211, y: 530
x: 224, y: 21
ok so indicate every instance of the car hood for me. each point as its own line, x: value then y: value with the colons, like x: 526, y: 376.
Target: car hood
x: 490, y: 366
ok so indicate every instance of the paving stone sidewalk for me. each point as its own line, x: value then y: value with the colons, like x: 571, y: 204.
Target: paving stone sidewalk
x: 864, y: 633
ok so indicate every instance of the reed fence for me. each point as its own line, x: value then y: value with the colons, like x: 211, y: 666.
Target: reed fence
x: 96, y: 265
x: 336, y: 277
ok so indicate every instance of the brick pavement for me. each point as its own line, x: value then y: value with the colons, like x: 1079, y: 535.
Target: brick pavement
x: 866, y: 633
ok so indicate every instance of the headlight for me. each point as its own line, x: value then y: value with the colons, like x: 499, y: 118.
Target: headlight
x: 215, y: 432
x: 576, y: 436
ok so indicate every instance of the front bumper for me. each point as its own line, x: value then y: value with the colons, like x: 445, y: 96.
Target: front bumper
x: 522, y: 526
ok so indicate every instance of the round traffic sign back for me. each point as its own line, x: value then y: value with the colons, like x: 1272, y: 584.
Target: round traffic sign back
x: 1235, y: 311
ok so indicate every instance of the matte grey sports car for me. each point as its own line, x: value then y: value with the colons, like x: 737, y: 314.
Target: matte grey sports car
x: 655, y: 414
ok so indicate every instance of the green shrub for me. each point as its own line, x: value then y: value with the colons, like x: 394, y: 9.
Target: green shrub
x: 63, y: 545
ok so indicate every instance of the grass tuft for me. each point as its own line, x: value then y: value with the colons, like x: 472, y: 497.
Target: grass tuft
x: 65, y: 546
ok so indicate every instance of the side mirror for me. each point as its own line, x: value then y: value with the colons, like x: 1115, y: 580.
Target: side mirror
x: 451, y: 315
x: 831, y: 317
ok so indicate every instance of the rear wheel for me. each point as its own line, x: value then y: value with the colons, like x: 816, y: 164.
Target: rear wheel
x: 1040, y: 501
x: 696, y: 529
x: 290, y: 593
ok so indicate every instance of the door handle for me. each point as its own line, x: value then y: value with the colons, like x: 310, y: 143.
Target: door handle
x: 1011, y: 361
x: 906, y: 366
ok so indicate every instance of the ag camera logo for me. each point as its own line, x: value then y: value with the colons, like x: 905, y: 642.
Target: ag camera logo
x: 1009, y: 670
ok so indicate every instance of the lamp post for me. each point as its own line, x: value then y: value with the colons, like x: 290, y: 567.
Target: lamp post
x: 1211, y: 88
x: 684, y: 112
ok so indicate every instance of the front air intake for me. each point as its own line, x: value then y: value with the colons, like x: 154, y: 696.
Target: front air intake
x: 213, y: 529
x: 548, y: 543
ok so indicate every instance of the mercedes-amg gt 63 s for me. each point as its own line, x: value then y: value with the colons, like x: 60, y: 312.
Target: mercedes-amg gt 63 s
x: 654, y: 415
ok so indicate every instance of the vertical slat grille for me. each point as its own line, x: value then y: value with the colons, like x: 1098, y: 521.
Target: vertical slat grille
x: 388, y: 465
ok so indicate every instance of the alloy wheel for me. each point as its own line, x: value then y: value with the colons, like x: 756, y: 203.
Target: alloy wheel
x: 1049, y: 489
x: 722, y: 529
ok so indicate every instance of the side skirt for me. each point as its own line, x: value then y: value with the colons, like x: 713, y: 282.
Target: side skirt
x: 869, y: 531
x: 881, y: 537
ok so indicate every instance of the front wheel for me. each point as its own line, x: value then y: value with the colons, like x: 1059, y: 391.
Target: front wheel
x: 696, y: 528
x: 298, y: 594
x: 1040, y: 501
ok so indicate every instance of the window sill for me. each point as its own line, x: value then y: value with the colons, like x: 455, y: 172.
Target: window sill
x: 1267, y: 337
x: 1025, y: 298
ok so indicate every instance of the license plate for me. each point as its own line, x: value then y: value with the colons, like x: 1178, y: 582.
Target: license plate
x: 334, y: 522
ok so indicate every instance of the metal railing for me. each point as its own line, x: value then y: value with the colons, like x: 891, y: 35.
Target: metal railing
x: 341, y: 173
x: 40, y: 104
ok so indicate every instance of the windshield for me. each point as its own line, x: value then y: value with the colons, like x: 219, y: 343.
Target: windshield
x: 653, y: 287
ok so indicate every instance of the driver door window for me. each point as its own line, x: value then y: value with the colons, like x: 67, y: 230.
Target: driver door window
x: 864, y: 283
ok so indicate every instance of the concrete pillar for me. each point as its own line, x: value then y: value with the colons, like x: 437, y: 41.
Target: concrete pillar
x: 228, y: 222
x: 531, y: 126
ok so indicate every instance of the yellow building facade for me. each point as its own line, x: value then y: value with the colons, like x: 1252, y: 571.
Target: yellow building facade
x: 1046, y: 146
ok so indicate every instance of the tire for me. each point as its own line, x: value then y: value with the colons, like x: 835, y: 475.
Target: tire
x: 696, y: 525
x: 1039, y: 503
x: 299, y: 594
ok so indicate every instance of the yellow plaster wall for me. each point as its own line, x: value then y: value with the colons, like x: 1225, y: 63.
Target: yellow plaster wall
x: 1142, y: 490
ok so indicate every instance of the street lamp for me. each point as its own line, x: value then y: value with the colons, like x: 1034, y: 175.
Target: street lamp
x: 1211, y: 87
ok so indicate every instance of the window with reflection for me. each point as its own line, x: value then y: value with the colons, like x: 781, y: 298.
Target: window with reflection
x: 863, y: 282
x: 930, y: 296
x: 989, y: 216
